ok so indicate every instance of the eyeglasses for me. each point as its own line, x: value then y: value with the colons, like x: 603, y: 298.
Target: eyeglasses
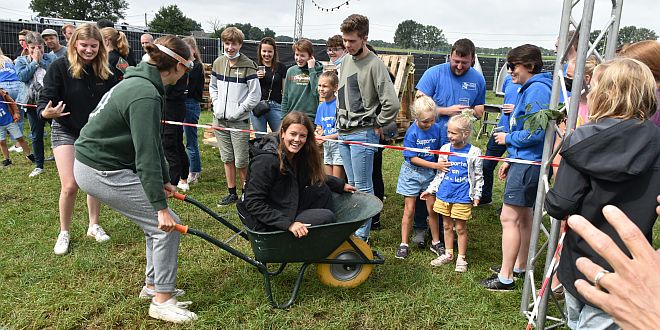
x: 334, y: 49
x: 511, y: 66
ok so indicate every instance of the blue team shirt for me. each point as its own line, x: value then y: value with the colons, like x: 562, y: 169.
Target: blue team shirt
x: 418, y: 138
x: 326, y: 115
x: 8, y: 72
x: 5, y: 116
x: 447, y: 89
x: 510, y: 90
x: 455, y: 186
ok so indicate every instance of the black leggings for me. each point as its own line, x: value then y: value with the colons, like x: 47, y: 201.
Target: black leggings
x: 175, y: 153
x: 315, y: 206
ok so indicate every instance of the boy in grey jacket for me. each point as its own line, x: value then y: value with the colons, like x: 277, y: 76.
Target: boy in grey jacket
x: 234, y: 91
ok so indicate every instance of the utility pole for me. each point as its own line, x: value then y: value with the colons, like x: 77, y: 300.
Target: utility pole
x: 300, y: 10
x: 145, y: 20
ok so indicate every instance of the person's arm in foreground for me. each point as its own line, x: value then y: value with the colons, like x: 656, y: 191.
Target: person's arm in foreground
x: 633, y: 289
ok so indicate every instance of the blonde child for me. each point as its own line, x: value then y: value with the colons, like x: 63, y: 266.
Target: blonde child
x: 417, y: 172
x: 458, y: 189
x: 325, y: 124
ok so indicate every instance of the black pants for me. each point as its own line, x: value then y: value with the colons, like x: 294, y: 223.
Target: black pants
x: 316, y: 206
x: 377, y: 177
x: 492, y: 149
x: 175, y: 152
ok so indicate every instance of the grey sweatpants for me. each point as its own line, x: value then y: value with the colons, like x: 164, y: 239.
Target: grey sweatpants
x: 122, y: 191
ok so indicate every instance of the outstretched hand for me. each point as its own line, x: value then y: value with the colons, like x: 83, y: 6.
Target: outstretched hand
x: 54, y: 112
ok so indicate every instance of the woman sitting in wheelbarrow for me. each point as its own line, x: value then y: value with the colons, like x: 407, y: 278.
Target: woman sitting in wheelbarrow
x: 286, y: 187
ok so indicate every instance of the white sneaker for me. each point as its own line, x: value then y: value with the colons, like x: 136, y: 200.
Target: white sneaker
x: 36, y: 172
x: 147, y: 293
x: 193, y: 177
x: 183, y: 186
x: 16, y: 149
x: 62, y: 245
x: 170, y: 311
x: 98, y: 233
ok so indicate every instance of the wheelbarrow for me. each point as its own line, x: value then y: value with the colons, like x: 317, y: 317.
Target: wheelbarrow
x: 342, y: 260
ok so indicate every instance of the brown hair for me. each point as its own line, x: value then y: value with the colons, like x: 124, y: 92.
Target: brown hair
x: 335, y: 41
x: 527, y: 55
x: 647, y: 52
x: 309, y: 157
x: 355, y: 23
x: 163, y: 61
x: 193, y: 45
x: 625, y: 90
x: 100, y: 64
x: 268, y: 41
x: 117, y: 39
x: 66, y: 26
x: 334, y: 80
x: 463, y: 47
x: 303, y: 46
x: 232, y: 34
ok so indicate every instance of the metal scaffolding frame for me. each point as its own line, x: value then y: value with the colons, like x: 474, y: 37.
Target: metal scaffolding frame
x: 300, y: 12
x: 534, y: 308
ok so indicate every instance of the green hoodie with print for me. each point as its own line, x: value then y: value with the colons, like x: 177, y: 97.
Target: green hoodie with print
x: 123, y: 132
x: 301, y: 90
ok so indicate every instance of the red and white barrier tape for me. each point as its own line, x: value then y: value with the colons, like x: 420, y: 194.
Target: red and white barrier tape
x: 374, y: 145
x: 23, y: 104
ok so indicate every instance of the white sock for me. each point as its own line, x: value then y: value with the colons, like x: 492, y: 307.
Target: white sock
x: 403, y: 244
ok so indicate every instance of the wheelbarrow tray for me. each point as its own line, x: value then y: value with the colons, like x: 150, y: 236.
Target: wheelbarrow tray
x: 351, y: 211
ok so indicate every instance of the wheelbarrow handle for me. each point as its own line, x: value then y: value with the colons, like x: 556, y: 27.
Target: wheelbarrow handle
x: 179, y: 196
x: 181, y: 228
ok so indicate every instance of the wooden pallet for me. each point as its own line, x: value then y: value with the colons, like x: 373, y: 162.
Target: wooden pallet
x: 206, y: 98
x: 403, y: 70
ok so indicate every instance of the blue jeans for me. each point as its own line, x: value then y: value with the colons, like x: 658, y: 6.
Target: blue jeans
x: 492, y: 149
x: 273, y: 118
x: 15, y: 90
x: 585, y: 317
x: 192, y: 147
x: 358, y: 163
x: 37, y: 136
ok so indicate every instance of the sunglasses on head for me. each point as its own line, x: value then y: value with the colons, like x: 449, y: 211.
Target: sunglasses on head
x: 186, y: 63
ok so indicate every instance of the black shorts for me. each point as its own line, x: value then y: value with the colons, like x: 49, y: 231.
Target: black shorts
x: 521, y: 185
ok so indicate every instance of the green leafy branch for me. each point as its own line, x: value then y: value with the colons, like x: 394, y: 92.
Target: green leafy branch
x: 539, y: 120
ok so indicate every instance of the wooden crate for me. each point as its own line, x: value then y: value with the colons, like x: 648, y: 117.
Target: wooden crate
x: 206, y: 99
x: 403, y: 70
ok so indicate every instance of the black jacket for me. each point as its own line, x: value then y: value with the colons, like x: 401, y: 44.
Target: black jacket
x: 118, y: 64
x: 196, y: 82
x: 80, y: 95
x: 608, y: 162
x: 271, y: 199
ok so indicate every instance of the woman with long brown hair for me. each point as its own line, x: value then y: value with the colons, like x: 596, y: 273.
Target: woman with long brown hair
x: 289, y: 190
x: 271, y: 75
x: 73, y: 86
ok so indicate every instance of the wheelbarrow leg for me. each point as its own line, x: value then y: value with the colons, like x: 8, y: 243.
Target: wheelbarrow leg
x: 294, y: 292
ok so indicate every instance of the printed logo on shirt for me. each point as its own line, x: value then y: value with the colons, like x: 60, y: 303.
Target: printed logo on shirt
x: 300, y: 79
x: 470, y: 86
x: 122, y: 65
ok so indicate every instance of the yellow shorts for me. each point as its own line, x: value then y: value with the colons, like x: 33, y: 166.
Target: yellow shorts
x: 455, y: 211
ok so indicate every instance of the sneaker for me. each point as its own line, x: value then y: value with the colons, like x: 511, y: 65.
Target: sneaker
x: 50, y: 159
x: 30, y: 157
x: 419, y: 238
x: 98, y: 233
x: 193, y: 177
x: 229, y: 199
x: 443, y: 259
x: 437, y: 248
x: 375, y: 225
x: 183, y: 186
x: 36, y: 172
x: 171, y: 311
x: 496, y: 270
x: 147, y: 293
x: 62, y: 245
x: 493, y: 284
x: 401, y: 252
x: 6, y: 162
x: 16, y: 148
x: 461, y: 265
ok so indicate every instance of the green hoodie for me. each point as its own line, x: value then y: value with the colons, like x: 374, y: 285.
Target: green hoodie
x: 123, y: 132
x: 301, y: 90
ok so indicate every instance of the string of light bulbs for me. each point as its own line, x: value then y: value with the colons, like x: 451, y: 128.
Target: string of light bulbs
x: 321, y: 8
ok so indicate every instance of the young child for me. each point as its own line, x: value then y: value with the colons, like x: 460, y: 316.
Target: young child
x: 9, y: 115
x: 300, y: 87
x: 325, y: 124
x: 417, y: 172
x: 458, y: 189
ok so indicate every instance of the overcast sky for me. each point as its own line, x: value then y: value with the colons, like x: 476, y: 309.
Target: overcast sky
x: 489, y: 23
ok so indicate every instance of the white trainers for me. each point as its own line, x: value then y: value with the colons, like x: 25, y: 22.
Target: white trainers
x: 170, y: 311
x: 183, y: 186
x: 193, y: 177
x: 98, y: 233
x: 147, y: 293
x: 62, y: 245
x: 36, y: 172
x: 16, y: 149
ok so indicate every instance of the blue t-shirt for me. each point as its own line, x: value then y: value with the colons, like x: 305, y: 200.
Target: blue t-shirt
x: 510, y: 90
x: 455, y: 186
x: 326, y: 114
x: 447, y: 89
x: 418, y: 138
x: 8, y: 72
x: 5, y: 116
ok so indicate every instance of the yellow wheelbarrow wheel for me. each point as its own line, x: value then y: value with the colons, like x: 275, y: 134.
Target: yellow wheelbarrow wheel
x: 346, y: 275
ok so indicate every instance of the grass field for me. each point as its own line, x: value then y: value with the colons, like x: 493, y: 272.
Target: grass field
x: 96, y: 285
